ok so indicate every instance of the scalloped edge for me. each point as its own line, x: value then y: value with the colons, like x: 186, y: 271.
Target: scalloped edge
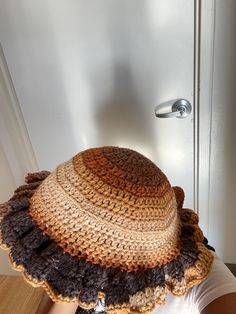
x: 125, y: 308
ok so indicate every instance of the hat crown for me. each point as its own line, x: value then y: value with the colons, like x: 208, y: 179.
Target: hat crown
x: 124, y: 182
x: 115, y: 196
x: 114, y: 212
x: 123, y: 163
x: 124, y: 169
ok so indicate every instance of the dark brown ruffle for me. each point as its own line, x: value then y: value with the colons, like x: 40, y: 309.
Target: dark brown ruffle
x: 36, y: 176
x: 72, y: 276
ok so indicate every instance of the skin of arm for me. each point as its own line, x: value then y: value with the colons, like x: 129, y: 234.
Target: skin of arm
x: 47, y: 306
x: 226, y: 304
x: 57, y: 308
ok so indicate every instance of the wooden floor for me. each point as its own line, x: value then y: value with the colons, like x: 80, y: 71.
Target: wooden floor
x: 17, y: 296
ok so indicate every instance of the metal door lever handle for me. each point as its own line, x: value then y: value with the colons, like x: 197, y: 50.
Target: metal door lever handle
x: 180, y: 109
x: 173, y: 114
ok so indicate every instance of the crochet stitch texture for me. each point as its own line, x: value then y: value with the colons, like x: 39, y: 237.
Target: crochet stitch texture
x: 105, y: 224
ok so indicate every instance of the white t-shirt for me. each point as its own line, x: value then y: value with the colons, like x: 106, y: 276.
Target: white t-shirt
x: 220, y: 281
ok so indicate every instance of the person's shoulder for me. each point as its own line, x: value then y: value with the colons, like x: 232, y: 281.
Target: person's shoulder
x: 220, y: 281
x: 225, y: 304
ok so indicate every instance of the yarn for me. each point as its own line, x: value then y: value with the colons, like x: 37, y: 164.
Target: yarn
x: 105, y: 223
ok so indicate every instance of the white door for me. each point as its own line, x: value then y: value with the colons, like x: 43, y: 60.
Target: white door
x: 90, y: 73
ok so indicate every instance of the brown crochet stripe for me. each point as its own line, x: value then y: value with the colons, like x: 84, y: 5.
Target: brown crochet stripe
x: 179, y: 194
x: 110, y: 174
x: 136, y: 168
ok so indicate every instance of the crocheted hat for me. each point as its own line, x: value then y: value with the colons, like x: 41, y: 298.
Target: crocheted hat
x: 104, y: 224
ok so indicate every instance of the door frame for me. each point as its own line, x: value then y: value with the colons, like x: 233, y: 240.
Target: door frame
x: 204, y: 89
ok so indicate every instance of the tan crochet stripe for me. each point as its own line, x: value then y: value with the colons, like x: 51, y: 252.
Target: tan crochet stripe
x: 70, y: 209
x: 109, y: 206
x: 99, y: 240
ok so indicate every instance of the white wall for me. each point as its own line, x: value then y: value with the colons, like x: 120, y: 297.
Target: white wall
x: 222, y: 203
x: 16, y: 154
x: 7, y: 185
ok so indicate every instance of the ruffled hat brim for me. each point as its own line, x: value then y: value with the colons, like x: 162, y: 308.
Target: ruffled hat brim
x: 69, y: 278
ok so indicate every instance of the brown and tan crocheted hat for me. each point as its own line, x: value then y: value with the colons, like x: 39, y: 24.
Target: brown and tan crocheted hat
x: 105, y: 224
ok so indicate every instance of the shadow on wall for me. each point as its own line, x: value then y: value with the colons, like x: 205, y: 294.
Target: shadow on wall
x: 124, y: 115
x: 122, y: 119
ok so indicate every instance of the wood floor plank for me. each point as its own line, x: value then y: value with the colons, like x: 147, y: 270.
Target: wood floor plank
x: 17, y: 296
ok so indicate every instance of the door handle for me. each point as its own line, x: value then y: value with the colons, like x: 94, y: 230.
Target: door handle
x: 181, y: 108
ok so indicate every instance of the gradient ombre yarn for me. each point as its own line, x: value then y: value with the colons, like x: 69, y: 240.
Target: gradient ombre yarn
x: 105, y: 224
